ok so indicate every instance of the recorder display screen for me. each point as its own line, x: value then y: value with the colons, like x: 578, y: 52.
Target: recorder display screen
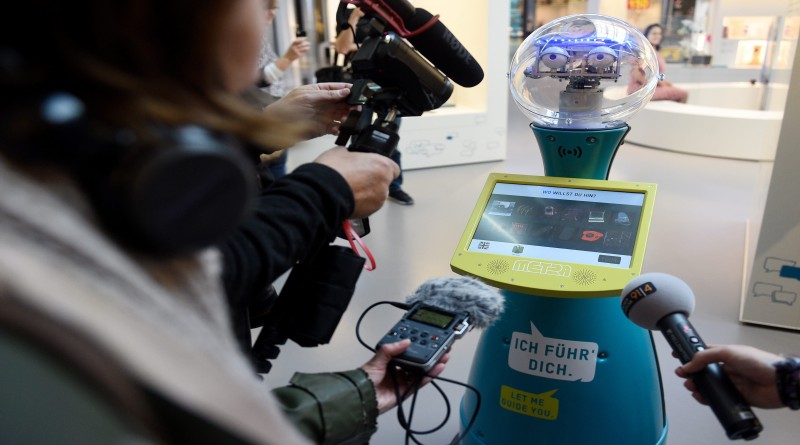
x: 576, y: 225
x: 430, y: 317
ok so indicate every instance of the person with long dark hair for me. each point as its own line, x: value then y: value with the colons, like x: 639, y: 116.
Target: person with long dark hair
x: 126, y: 159
x: 665, y: 90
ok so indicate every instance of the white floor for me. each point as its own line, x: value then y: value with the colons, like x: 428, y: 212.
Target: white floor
x: 704, y: 207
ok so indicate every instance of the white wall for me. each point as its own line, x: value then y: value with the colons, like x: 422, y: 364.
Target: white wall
x: 772, y: 295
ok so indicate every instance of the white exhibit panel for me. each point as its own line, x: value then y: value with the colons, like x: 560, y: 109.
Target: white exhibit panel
x: 471, y: 126
x: 772, y: 294
x: 720, y: 120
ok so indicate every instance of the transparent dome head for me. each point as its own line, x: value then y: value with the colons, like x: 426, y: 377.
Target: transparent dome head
x: 585, y: 71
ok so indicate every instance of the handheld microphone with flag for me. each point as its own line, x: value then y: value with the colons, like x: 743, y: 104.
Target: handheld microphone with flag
x: 442, y: 311
x: 658, y: 301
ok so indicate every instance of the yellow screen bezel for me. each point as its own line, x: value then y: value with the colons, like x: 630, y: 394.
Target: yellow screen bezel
x: 541, y: 276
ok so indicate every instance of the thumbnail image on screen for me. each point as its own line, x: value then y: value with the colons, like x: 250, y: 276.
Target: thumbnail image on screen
x: 595, y: 227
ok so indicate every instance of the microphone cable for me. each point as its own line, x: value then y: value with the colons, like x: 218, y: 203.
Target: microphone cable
x: 353, y: 238
x: 413, y: 387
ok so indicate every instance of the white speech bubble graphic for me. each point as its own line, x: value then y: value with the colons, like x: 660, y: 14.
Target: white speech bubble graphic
x: 783, y: 297
x: 552, y: 358
x: 772, y: 264
x: 765, y: 289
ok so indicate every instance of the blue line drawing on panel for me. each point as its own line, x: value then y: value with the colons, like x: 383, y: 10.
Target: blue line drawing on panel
x: 469, y: 148
x: 775, y: 293
x: 772, y: 264
x: 761, y: 289
x: 787, y: 298
x: 424, y: 148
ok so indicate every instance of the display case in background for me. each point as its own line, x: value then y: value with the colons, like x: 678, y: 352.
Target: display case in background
x: 753, y: 41
x: 471, y: 126
x: 744, y: 40
x: 755, y: 36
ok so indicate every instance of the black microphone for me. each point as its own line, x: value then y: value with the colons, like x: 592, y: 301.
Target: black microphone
x: 658, y: 301
x: 436, y: 43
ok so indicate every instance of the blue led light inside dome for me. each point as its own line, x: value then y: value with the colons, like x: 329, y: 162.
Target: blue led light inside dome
x: 579, y: 72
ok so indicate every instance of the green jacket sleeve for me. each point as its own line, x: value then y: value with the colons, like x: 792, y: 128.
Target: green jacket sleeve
x: 331, y: 408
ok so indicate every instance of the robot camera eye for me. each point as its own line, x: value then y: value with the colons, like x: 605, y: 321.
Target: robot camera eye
x: 601, y: 57
x: 554, y: 57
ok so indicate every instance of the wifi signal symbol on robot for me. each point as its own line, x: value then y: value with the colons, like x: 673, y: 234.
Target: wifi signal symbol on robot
x: 564, y: 152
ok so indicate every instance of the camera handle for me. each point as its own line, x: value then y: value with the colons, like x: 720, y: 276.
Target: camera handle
x: 379, y: 137
x: 310, y: 304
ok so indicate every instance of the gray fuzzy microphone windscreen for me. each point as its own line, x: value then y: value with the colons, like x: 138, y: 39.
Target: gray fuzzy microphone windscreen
x: 483, y: 303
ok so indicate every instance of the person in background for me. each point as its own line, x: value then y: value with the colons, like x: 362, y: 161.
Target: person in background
x: 272, y: 69
x: 664, y: 89
x: 764, y: 379
x: 88, y: 97
x: 350, y: 23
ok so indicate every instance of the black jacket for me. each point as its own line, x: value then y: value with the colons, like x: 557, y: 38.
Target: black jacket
x: 295, y: 216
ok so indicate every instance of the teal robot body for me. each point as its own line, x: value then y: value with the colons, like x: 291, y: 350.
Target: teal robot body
x: 563, y: 366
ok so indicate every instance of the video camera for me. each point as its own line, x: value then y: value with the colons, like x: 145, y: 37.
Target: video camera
x: 390, y: 80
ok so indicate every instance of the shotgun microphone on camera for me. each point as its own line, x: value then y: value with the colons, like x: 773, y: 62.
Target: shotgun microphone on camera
x: 429, y: 36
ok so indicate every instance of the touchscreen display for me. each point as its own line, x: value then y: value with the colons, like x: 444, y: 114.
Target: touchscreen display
x: 594, y: 227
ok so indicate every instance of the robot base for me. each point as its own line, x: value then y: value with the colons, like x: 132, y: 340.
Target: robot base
x: 565, y: 371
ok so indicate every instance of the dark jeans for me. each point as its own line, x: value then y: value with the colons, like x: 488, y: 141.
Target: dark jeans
x: 395, y: 185
x: 278, y: 166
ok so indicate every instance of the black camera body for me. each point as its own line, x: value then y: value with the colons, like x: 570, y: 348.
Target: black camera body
x: 432, y: 330
x: 391, y: 80
x: 407, y: 81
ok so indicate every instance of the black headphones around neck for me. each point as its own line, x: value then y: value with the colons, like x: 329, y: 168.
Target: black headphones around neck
x: 183, y: 189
